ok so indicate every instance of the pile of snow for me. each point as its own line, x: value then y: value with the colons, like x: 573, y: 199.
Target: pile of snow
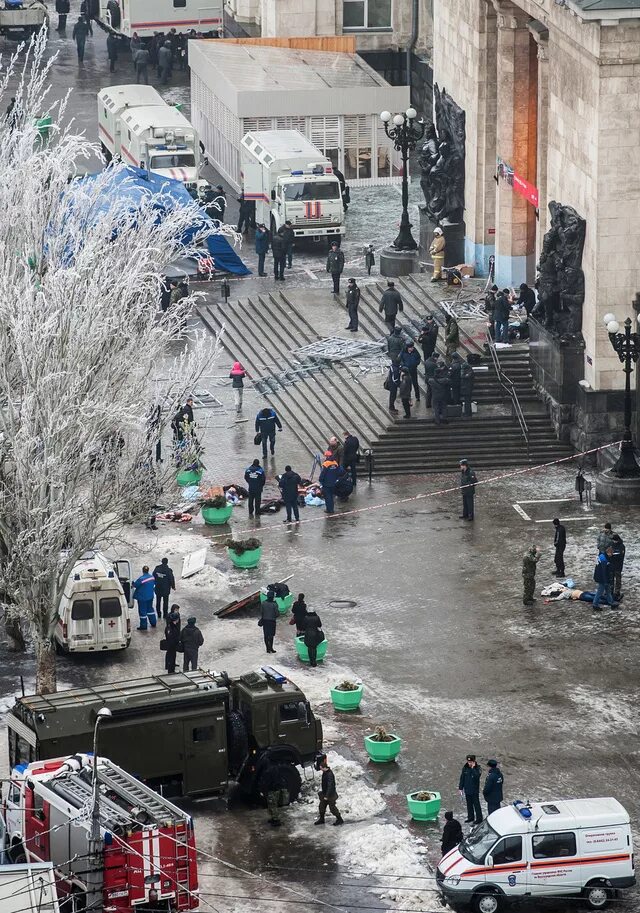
x: 215, y: 581
x: 358, y: 801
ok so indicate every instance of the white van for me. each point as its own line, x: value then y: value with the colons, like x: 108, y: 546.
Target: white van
x: 566, y: 847
x: 94, y: 612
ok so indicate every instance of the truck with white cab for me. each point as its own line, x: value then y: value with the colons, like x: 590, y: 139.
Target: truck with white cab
x: 21, y: 18
x: 136, y: 125
x: 146, y: 17
x: 290, y: 179
x: 563, y: 848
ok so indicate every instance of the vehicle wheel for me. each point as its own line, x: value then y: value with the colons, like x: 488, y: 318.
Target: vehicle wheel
x: 597, y: 896
x: 17, y: 854
x: 485, y: 902
x: 290, y: 775
x: 237, y: 740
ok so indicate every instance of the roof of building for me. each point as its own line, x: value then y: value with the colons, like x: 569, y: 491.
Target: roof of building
x: 606, y: 9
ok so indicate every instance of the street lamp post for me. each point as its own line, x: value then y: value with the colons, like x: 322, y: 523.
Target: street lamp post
x: 627, y: 346
x: 94, y: 877
x: 405, y: 134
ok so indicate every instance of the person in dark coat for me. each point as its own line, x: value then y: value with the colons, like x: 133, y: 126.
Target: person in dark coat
x: 81, y: 29
x: 602, y: 578
x: 113, y: 46
x: 255, y: 478
x: 451, y: 833
x: 428, y: 337
x: 172, y: 637
x: 492, y: 790
x: 468, y: 480
x: 328, y: 794
x: 501, y: 311
x: 430, y: 368
x: 165, y: 62
x: 393, y: 382
x: 353, y: 300
x: 288, y: 236
x: 299, y: 613
x: 335, y: 266
x: 350, y: 455
x: 395, y: 345
x: 467, y: 381
x: 262, y: 246
x: 268, y: 618
x: 404, y: 391
x: 115, y: 13
x: 527, y: 298
x: 455, y: 369
x: 616, y: 562
x: 390, y: 303
x: 329, y: 475
x: 469, y: 787
x: 266, y: 423
x: 560, y: 543
x: 439, y: 385
x: 191, y: 639
x: 244, y: 215
x: 313, y: 635
x: 141, y: 64
x: 279, y: 251
x: 63, y: 8
x: 289, y: 482
x: 165, y: 582
x: 410, y: 359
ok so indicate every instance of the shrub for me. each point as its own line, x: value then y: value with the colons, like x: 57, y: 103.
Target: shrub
x: 216, y: 502
x: 240, y: 546
x: 347, y: 686
x: 380, y: 735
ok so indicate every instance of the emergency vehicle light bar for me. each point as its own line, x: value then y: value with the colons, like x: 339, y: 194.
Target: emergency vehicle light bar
x: 523, y: 810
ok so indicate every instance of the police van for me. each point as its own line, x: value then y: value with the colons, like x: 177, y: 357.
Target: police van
x: 561, y: 848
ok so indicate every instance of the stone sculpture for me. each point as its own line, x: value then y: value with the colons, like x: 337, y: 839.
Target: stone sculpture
x: 442, y: 161
x: 560, y: 276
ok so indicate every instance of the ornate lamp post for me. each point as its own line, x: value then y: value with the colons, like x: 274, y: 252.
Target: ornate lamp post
x: 405, y: 134
x: 627, y: 346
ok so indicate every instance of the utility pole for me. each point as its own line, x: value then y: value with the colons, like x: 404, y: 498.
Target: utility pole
x: 95, y: 876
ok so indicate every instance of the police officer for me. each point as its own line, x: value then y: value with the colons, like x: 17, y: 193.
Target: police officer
x: 353, y: 300
x: 469, y: 787
x: 335, y: 266
x: 492, y: 790
x: 165, y: 582
x: 191, y: 639
x: 289, y: 484
x: 328, y: 794
x: 255, y: 478
x: 529, y: 564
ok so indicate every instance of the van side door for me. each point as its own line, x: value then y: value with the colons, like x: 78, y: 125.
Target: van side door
x: 554, y: 866
x: 508, y: 867
x: 122, y: 568
x: 206, y: 765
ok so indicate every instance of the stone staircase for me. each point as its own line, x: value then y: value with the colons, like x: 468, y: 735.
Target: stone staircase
x: 262, y: 331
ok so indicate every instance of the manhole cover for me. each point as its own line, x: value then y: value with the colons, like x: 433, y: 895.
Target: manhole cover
x: 343, y: 604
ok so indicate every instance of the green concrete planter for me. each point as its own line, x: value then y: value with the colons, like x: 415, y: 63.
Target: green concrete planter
x: 250, y: 558
x: 283, y: 604
x: 346, y: 700
x: 215, y: 516
x: 189, y: 477
x: 303, y: 653
x: 426, y: 810
x: 383, y: 752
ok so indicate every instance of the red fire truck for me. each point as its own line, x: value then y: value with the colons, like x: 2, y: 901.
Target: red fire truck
x: 148, y: 845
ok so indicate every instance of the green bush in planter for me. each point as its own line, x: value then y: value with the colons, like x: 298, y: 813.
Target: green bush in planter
x: 347, y: 695
x: 245, y: 552
x: 382, y: 746
x: 216, y: 510
x: 424, y: 805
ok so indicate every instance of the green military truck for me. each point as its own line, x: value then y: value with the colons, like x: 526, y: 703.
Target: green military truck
x: 187, y: 734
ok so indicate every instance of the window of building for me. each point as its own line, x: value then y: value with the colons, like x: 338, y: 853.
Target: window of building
x: 366, y: 14
x: 508, y: 850
x: 550, y: 846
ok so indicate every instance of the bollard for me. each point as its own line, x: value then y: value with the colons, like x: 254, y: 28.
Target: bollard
x: 225, y: 290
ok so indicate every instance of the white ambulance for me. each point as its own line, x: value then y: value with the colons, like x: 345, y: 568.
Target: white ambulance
x: 145, y: 17
x: 95, y: 610
x: 561, y: 848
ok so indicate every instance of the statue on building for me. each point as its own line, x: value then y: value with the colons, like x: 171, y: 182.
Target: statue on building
x: 560, y: 276
x: 442, y: 161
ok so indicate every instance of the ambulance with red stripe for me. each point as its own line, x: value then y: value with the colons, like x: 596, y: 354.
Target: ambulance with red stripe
x: 136, y: 125
x: 562, y: 849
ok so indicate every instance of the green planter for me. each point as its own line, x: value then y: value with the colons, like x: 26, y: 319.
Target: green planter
x: 346, y: 700
x: 283, y: 604
x: 382, y: 752
x: 189, y: 477
x: 424, y: 811
x: 215, y: 516
x: 303, y: 653
x: 250, y: 558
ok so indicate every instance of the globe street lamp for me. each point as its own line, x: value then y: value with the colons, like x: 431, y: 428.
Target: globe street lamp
x: 405, y: 133
x: 627, y: 346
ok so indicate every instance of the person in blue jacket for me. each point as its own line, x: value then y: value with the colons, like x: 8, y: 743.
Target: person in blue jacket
x: 255, y: 479
x: 328, y: 477
x: 492, y: 790
x: 262, y: 247
x: 410, y: 360
x: 469, y: 787
x: 602, y: 578
x: 266, y: 423
x: 144, y: 589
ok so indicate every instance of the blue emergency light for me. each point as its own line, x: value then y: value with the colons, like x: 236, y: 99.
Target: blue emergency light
x: 297, y: 172
x: 523, y: 810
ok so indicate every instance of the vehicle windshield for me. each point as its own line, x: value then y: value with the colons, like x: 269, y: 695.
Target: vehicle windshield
x: 173, y: 160
x: 312, y: 190
x: 476, y: 846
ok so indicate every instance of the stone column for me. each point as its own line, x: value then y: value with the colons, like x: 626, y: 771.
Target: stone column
x: 541, y: 36
x: 516, y: 145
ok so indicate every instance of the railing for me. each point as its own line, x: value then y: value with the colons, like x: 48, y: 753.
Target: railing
x: 507, y: 384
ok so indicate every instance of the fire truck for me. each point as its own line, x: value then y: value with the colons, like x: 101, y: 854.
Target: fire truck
x: 148, y: 854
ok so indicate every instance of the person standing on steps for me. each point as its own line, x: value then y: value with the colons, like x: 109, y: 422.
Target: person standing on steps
x: 313, y: 636
x: 430, y: 368
x: 468, y: 480
x: 353, y: 300
x: 560, y: 543
x: 469, y: 786
x: 405, y: 391
x: 410, y: 359
x: 439, y: 386
x: 279, y: 251
x: 529, y: 564
x: 492, y: 790
x: 451, y: 336
x: 328, y: 794
x: 391, y: 303
x: 266, y: 423
x: 268, y: 618
x: 237, y: 375
x: 255, y: 478
x: 165, y: 581
x: 392, y: 383
x: 467, y: 381
x: 395, y: 345
x: 335, y: 266
x: 428, y: 337
x: 289, y: 483
x: 262, y: 246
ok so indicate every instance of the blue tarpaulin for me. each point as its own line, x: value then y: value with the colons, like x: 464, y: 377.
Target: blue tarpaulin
x: 133, y: 184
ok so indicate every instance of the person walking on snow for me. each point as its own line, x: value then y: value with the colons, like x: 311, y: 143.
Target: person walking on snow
x: 274, y: 787
x: 63, y: 8
x: 353, y: 300
x: 616, y: 563
x: 165, y: 581
x: 329, y: 475
x: 268, y: 618
x: 191, y: 639
x: 328, y: 794
x: 266, y: 423
x: 113, y: 43
x: 255, y: 478
x: 81, y: 29
x: 468, y: 481
x: 469, y: 786
x: 165, y: 62
x: 529, y: 564
x: 404, y: 391
x: 350, y: 455
x: 410, y: 359
x: 237, y: 375
x: 289, y: 482
x: 560, y: 543
x: 143, y: 592
x: 492, y: 790
x: 391, y: 303
x: 335, y: 266
x: 602, y: 578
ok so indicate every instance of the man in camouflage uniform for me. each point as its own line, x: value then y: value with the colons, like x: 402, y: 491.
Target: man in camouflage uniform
x: 273, y: 786
x: 529, y: 562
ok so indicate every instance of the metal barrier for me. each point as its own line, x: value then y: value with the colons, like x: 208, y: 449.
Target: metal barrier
x: 507, y: 384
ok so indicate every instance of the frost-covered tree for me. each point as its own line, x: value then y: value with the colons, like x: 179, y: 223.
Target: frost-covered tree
x: 85, y: 358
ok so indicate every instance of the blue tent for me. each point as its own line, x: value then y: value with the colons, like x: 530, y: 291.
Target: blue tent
x: 133, y: 184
